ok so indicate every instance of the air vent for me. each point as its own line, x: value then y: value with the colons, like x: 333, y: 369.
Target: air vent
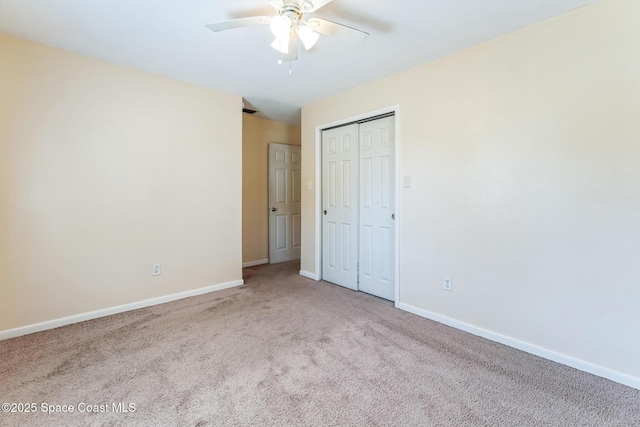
x: 248, y: 111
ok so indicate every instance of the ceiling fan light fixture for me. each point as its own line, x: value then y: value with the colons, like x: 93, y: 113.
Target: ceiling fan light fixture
x: 308, y: 36
x: 291, y: 27
x: 280, y: 26
x: 281, y: 44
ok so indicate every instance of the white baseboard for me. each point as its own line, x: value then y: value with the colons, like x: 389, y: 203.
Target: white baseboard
x: 254, y: 263
x: 56, y: 323
x: 563, y: 359
x: 309, y: 275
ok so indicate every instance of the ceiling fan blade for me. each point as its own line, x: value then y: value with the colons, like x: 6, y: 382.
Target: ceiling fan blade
x: 276, y: 4
x: 312, y: 5
x: 329, y: 28
x: 237, y: 23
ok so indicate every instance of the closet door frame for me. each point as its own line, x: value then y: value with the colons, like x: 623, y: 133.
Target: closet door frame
x: 395, y: 109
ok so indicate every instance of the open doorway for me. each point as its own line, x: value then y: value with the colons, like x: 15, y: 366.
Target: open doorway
x: 257, y: 133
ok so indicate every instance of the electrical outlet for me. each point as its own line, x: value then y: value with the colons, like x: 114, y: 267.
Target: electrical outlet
x: 156, y: 270
x: 447, y: 284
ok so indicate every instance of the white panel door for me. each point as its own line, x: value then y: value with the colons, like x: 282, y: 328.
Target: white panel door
x: 340, y: 206
x: 377, y: 208
x: 284, y: 202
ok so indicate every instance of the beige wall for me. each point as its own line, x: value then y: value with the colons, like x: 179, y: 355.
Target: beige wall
x: 524, y: 155
x: 105, y: 170
x: 257, y: 133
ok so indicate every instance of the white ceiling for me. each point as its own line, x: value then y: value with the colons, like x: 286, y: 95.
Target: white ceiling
x: 168, y: 37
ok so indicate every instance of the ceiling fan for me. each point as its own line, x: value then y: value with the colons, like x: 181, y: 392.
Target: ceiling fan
x: 290, y: 24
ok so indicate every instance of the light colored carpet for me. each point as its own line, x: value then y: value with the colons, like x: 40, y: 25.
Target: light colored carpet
x: 285, y: 350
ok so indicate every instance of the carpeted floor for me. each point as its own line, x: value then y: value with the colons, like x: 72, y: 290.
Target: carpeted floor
x: 284, y: 350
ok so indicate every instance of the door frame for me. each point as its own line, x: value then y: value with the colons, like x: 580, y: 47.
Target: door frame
x: 395, y: 109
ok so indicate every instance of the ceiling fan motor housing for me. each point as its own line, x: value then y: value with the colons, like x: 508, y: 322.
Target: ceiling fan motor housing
x: 293, y: 12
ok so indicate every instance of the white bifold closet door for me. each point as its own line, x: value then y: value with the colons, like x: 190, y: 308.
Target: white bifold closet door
x: 358, y: 207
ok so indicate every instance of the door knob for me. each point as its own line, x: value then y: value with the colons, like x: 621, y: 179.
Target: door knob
x: 273, y: 209
x: 325, y: 211
x: 393, y: 216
